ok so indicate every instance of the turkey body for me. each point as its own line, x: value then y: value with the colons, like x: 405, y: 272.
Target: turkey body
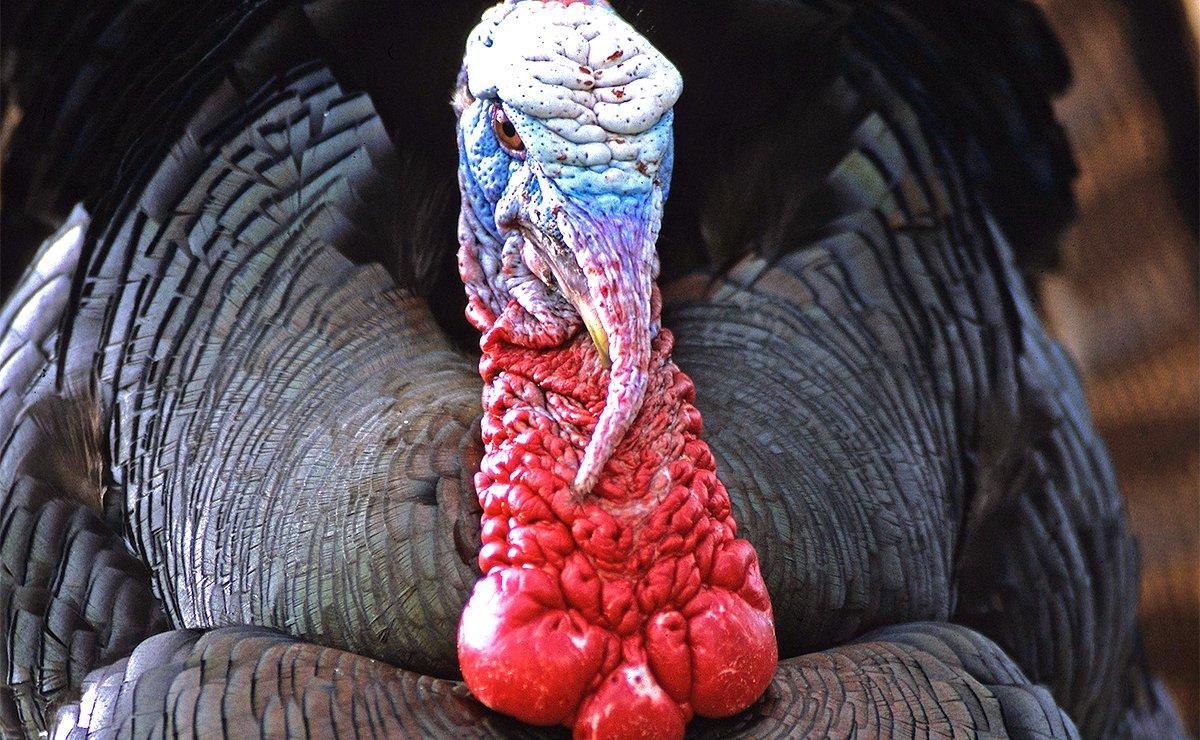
x: 240, y: 409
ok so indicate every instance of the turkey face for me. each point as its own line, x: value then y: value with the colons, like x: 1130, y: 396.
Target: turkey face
x: 565, y: 149
x: 616, y: 597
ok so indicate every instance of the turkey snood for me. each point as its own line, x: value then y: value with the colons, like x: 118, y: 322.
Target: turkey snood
x: 616, y: 597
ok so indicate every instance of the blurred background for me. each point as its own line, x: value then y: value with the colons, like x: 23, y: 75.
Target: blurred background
x: 1124, y: 298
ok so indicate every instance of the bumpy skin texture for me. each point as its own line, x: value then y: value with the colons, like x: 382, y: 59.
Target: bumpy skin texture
x: 617, y: 597
x: 626, y: 611
x: 563, y: 229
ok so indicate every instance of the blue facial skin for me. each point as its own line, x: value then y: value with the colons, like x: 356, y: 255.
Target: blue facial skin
x: 485, y: 166
x: 569, y: 233
x: 604, y: 190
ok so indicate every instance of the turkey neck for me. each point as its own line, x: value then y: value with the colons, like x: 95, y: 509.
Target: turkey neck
x: 541, y: 408
x: 632, y: 607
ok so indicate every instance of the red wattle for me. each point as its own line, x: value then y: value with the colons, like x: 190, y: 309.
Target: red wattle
x: 626, y: 611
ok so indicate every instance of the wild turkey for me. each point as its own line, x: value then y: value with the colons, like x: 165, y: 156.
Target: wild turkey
x: 239, y: 377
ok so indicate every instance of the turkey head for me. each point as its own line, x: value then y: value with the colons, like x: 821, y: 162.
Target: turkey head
x: 616, y: 597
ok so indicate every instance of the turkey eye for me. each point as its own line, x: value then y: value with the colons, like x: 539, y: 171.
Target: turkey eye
x: 506, y: 132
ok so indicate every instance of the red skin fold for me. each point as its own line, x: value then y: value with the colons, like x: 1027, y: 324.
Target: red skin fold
x: 624, y: 612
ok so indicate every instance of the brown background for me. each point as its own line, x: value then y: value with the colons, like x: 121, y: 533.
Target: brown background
x: 1124, y: 300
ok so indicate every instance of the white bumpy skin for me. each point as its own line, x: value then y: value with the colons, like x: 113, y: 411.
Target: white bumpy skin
x: 563, y: 230
x: 587, y: 87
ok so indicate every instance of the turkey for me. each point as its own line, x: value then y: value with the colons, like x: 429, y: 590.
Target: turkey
x: 245, y: 462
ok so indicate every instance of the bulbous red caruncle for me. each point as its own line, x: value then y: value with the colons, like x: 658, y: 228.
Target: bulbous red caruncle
x: 623, y: 612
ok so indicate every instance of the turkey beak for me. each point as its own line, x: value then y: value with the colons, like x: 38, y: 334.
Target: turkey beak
x: 595, y: 329
x: 605, y: 268
x: 569, y: 276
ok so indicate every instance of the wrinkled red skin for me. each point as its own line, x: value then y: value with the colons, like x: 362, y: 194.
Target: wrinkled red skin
x: 624, y: 612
